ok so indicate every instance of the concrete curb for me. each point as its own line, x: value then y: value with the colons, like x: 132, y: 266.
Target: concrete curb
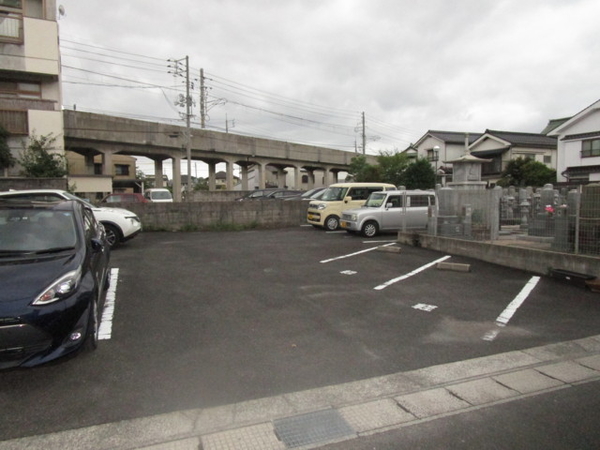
x: 366, y: 407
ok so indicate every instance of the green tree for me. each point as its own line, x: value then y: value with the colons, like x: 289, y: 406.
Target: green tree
x: 526, y: 172
x: 419, y: 175
x: 361, y: 171
x: 6, y: 158
x: 38, y: 160
x: 392, y: 167
x: 201, y: 184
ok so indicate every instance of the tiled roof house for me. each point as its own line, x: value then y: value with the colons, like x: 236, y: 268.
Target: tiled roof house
x: 504, y: 146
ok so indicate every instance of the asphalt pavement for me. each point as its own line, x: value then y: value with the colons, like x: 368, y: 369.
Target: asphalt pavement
x: 253, y: 335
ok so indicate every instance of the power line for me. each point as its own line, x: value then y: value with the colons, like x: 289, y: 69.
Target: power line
x: 277, y: 107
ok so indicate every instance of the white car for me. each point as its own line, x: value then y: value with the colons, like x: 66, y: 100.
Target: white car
x: 120, y: 224
x: 158, y: 195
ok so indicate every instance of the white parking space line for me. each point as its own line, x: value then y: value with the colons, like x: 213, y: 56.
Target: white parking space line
x: 408, y: 275
x: 105, y: 330
x: 348, y: 272
x: 424, y: 307
x: 325, y: 261
x: 512, y: 307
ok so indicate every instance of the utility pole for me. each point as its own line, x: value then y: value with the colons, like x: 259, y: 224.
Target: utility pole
x: 188, y: 130
x: 187, y: 102
x: 202, y: 101
x: 364, y: 135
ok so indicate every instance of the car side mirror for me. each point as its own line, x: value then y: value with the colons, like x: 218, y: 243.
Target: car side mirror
x: 389, y: 205
x: 347, y: 199
x: 97, y: 244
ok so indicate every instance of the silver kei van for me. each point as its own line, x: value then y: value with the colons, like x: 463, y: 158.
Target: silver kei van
x: 327, y: 210
x: 390, y: 211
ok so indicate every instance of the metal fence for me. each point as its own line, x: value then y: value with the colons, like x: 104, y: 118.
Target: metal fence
x: 564, y: 219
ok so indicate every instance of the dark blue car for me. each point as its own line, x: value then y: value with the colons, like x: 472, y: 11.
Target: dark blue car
x: 54, y: 271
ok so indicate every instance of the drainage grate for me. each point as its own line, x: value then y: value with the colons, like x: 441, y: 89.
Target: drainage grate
x: 312, y: 428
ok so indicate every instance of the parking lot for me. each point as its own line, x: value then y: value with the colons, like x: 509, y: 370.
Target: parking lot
x: 209, y: 319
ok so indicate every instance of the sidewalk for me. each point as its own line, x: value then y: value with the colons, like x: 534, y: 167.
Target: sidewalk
x: 316, y: 417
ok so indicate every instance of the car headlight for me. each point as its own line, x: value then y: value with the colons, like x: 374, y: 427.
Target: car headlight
x: 61, y: 288
x: 321, y: 206
x: 352, y: 217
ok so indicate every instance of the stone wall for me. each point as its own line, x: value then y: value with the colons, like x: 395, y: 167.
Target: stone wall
x: 219, y: 214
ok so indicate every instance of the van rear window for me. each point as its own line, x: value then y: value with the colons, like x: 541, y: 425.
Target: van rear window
x: 420, y: 200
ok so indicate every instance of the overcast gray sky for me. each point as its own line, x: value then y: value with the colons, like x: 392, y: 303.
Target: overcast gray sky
x: 304, y: 70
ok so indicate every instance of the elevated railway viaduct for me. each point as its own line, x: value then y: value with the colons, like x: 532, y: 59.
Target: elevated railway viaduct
x: 92, y: 134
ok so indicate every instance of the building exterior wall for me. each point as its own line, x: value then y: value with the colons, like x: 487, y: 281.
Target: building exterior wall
x: 91, y: 187
x: 32, y: 57
x: 569, y: 149
x: 447, y: 151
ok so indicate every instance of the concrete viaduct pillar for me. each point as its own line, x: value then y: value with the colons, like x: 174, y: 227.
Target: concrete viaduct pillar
x: 281, y: 177
x: 311, y: 178
x: 229, y: 174
x: 158, y: 173
x: 212, y: 172
x: 262, y: 168
x: 297, y: 178
x: 244, y: 177
x: 107, y: 165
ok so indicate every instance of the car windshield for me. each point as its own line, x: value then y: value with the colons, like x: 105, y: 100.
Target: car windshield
x: 29, y: 230
x: 333, y: 194
x: 78, y: 199
x: 375, y: 200
x: 161, y: 195
x: 311, y: 192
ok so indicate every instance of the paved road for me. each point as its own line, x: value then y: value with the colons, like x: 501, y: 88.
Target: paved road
x: 210, y: 319
x: 559, y: 420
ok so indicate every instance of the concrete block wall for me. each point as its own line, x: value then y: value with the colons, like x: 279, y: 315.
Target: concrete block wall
x: 206, y: 215
x: 216, y: 196
x: 7, y: 184
x: 532, y: 260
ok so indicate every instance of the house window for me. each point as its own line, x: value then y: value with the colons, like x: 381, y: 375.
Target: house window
x: 13, y: 4
x: 15, y: 122
x: 122, y: 169
x: 590, y: 148
x: 17, y: 89
x: 11, y: 25
x: 492, y: 167
x: 34, y: 8
x: 547, y: 159
x: 433, y: 154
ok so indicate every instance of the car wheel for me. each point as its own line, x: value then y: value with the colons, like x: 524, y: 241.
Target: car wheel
x: 91, y: 335
x: 370, y: 229
x: 332, y: 223
x: 113, y: 236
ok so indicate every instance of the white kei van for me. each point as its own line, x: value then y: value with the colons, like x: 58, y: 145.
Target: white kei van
x: 158, y: 195
x: 390, y: 211
x: 326, y: 212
